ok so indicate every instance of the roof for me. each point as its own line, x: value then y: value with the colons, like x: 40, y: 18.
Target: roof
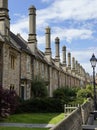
x: 19, y: 43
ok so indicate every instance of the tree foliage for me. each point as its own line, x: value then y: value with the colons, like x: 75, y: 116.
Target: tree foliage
x: 59, y: 93
x: 65, y: 93
x: 39, y: 88
x: 84, y: 93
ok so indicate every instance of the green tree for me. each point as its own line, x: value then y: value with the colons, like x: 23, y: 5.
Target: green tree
x: 84, y: 93
x: 39, y: 88
x: 65, y: 93
x: 59, y: 93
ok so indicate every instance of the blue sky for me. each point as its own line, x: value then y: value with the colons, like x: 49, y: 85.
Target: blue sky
x: 73, y: 21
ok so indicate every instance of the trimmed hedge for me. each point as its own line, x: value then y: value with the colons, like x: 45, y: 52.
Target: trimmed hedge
x: 41, y: 105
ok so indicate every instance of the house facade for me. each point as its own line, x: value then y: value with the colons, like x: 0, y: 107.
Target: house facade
x: 21, y: 61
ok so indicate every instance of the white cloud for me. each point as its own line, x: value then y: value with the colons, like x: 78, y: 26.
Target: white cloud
x: 58, y: 12
x: 70, y: 34
x: 66, y: 34
x: 46, y: 1
x: 21, y: 26
x: 71, y: 9
x: 83, y: 57
x: 63, y: 33
x: 61, y: 10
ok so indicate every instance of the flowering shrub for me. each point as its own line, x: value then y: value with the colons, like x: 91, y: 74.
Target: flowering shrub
x: 8, y: 102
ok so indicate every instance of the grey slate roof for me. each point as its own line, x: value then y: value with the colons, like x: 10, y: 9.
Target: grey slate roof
x: 18, y: 42
x: 21, y: 44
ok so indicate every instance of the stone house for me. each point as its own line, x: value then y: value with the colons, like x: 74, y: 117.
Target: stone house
x: 21, y: 61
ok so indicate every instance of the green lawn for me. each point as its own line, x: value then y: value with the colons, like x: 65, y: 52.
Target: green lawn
x: 48, y: 118
x: 18, y: 128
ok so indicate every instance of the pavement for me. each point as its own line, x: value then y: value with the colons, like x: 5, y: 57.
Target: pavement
x: 91, y: 127
x: 27, y: 125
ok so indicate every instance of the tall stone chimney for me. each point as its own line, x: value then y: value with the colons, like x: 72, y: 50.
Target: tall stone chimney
x: 64, y: 55
x: 69, y: 60
x: 48, y: 53
x: 32, y: 41
x: 76, y: 66
x: 4, y: 19
x: 73, y: 63
x: 57, y: 52
x: 57, y: 42
x: 79, y: 69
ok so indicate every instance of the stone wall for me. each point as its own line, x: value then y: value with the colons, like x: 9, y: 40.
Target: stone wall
x: 71, y: 122
x: 0, y: 66
x: 5, y: 66
x: 86, y: 108
x: 26, y: 70
x: 76, y: 119
x: 26, y: 76
x: 11, y: 75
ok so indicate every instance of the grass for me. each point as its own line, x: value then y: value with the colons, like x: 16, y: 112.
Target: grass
x: 36, y: 118
x: 18, y: 128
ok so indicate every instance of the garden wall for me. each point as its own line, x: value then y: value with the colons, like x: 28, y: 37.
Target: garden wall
x: 75, y: 120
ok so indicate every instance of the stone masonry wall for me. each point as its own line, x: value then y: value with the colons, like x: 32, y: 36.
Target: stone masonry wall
x: 72, y: 122
x: 86, y: 108
x: 11, y: 76
x: 26, y: 75
x: 76, y: 119
x: 0, y: 66
x: 26, y: 71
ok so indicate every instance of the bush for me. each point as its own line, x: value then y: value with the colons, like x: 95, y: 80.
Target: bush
x: 66, y: 94
x: 39, y: 88
x: 84, y: 93
x: 41, y: 105
x: 59, y: 93
x: 8, y: 102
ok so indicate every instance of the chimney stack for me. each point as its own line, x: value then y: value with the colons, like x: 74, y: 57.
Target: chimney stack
x: 57, y: 42
x: 69, y: 60
x: 48, y: 44
x: 4, y: 19
x: 57, y: 53
x: 73, y: 63
x: 64, y: 55
x: 32, y: 42
x: 76, y: 66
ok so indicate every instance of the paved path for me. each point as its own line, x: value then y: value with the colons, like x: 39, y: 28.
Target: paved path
x: 27, y: 125
x: 91, y: 127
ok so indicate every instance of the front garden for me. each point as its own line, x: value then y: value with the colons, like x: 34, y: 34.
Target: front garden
x: 35, y: 118
x: 40, y: 109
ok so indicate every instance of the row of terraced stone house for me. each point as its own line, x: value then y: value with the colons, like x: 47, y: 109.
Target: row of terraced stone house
x: 21, y: 61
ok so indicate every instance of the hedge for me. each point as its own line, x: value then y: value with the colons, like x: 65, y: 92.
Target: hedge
x: 41, y: 105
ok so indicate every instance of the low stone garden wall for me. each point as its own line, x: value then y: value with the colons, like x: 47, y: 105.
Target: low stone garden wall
x: 76, y: 119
